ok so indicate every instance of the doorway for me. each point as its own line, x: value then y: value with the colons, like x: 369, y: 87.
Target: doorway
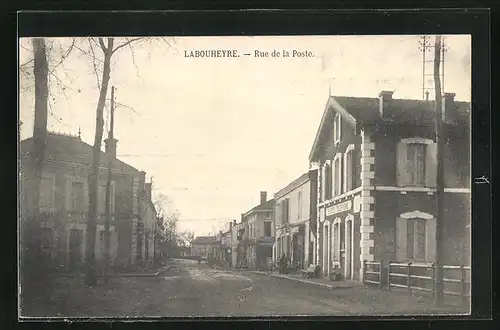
x: 348, y: 249
x: 75, y: 247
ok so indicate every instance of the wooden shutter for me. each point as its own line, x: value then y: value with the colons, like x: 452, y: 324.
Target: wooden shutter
x: 402, y: 174
x: 342, y: 178
x: 431, y: 164
x: 401, y: 226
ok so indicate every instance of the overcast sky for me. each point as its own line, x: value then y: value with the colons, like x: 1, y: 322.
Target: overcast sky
x: 215, y: 132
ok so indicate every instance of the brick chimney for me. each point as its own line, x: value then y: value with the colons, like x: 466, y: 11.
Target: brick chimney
x: 448, y: 106
x: 110, y: 145
x: 384, y: 99
x: 263, y: 197
x: 142, y: 183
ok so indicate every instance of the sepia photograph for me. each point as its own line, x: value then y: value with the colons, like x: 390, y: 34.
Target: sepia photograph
x: 236, y: 176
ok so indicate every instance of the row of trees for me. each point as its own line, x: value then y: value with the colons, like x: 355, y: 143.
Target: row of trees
x: 40, y: 69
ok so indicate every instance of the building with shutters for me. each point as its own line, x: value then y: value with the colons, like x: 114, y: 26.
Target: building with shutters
x: 256, y: 233
x: 64, y: 202
x: 376, y: 161
x: 293, y: 214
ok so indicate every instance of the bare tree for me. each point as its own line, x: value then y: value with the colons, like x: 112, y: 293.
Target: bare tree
x: 31, y: 225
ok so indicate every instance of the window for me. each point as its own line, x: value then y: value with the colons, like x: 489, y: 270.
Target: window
x: 299, y: 213
x: 47, y: 192
x: 284, y: 210
x: 416, y: 163
x: 267, y: 229
x: 349, y: 171
x: 77, y: 197
x: 337, y: 123
x: 328, y: 182
x: 337, y: 183
x: 415, y: 242
x: 102, y: 198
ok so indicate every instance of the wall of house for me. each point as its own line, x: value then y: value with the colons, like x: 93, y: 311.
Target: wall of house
x: 456, y: 219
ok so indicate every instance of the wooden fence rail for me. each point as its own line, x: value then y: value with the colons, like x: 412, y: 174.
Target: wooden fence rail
x: 417, y: 277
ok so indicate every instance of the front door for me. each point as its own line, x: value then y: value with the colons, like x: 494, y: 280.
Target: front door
x: 75, y: 246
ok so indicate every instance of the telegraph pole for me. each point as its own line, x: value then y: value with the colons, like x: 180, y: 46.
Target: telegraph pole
x: 108, y: 190
x: 439, y: 284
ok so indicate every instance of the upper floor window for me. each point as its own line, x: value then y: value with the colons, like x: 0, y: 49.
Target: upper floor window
x: 47, y: 191
x: 299, y: 199
x: 416, y: 162
x: 349, y: 169
x: 328, y: 181
x: 267, y: 229
x: 337, y: 175
x: 102, y: 198
x: 415, y: 154
x: 77, y: 196
x: 337, y: 126
x: 285, y: 211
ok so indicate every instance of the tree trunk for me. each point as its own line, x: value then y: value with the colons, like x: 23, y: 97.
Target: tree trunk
x: 31, y: 244
x: 439, y: 176
x: 90, y: 262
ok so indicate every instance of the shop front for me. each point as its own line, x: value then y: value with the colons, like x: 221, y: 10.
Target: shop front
x: 339, y: 238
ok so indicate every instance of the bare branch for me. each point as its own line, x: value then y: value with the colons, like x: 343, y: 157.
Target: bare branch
x: 133, y: 59
x: 94, y: 63
x: 128, y: 42
x: 128, y: 107
x: 103, y: 47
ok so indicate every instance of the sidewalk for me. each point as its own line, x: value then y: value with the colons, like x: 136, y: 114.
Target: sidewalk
x: 322, y: 282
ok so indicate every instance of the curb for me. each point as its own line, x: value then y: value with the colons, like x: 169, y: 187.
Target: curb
x: 328, y: 286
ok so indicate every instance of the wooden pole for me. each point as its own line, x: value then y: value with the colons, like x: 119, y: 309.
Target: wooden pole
x: 440, y: 176
x: 108, y: 189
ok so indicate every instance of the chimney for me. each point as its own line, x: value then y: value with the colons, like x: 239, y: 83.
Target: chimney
x: 234, y: 222
x: 147, y: 188
x: 448, y: 106
x: 142, y: 183
x: 111, y: 147
x: 384, y: 98
x: 263, y: 197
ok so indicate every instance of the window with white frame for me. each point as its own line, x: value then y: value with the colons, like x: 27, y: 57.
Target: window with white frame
x: 337, y: 175
x: 349, y: 169
x: 337, y: 125
x: 416, y: 162
x: 416, y: 237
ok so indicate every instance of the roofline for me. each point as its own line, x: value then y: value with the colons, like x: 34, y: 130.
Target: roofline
x: 301, y: 180
x: 331, y: 103
x: 253, y: 210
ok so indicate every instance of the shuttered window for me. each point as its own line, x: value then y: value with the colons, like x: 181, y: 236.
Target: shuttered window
x: 416, y: 163
x: 337, y: 172
x: 328, y: 182
x: 416, y: 242
x: 349, y: 171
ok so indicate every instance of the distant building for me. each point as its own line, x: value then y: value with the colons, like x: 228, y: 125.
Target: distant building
x: 258, y: 234
x: 64, y: 198
x: 204, y: 246
x: 377, y: 182
x: 293, y: 212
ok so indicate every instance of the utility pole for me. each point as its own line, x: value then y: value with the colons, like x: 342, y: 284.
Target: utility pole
x: 108, y: 190
x: 439, y: 284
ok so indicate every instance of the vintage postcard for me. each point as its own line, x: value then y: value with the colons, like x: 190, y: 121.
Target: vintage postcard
x: 245, y: 176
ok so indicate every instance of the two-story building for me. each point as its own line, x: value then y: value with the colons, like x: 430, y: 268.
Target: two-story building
x: 292, y: 222
x: 258, y: 233
x: 64, y: 198
x: 377, y: 182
